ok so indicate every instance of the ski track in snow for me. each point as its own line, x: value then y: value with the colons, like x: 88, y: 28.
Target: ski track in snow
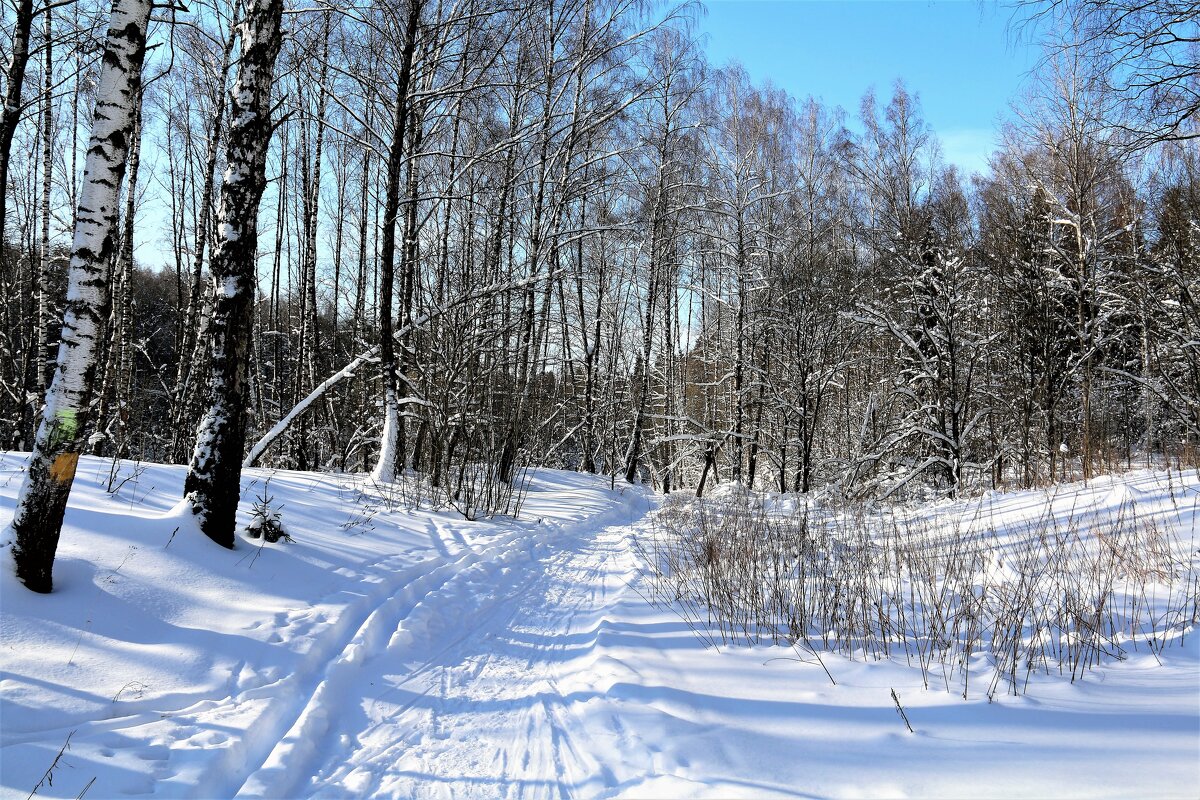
x: 398, y: 711
x: 466, y: 703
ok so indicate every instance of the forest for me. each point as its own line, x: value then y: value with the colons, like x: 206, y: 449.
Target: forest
x: 455, y: 239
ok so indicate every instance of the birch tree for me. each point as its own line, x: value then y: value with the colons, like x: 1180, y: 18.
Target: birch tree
x: 43, y: 498
x: 389, y: 452
x: 212, y: 487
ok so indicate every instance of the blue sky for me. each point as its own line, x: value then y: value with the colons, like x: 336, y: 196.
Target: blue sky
x: 958, y: 55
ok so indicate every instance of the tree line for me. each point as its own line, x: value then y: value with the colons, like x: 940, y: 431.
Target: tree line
x: 450, y: 240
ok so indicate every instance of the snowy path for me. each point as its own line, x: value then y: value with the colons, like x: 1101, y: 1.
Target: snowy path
x: 468, y: 701
x: 315, y: 670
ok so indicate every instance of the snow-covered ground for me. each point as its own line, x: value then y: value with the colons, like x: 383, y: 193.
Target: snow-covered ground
x: 398, y: 653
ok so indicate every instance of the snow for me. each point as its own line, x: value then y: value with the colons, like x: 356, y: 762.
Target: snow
x: 401, y: 652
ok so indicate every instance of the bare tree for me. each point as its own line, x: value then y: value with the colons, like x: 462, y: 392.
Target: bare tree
x: 1147, y: 53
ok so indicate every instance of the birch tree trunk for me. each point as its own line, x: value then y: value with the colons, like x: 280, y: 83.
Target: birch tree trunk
x: 212, y: 486
x: 43, y: 497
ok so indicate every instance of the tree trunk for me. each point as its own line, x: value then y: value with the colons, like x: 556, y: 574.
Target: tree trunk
x: 385, y: 467
x: 409, y: 255
x: 46, y: 316
x: 43, y: 499
x: 212, y: 487
x: 10, y: 114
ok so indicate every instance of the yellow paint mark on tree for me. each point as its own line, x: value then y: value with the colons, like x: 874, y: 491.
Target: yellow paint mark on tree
x: 63, y: 468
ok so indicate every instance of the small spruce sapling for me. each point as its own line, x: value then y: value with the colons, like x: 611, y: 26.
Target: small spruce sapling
x: 266, y: 520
